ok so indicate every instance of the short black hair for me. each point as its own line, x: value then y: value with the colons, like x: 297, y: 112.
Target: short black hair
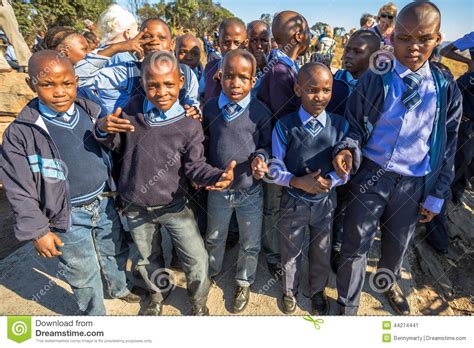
x: 368, y: 36
x: 90, y: 36
x: 155, y: 19
x: 239, y: 52
x: 153, y: 58
x: 56, y: 35
x: 421, y: 3
x: 365, y: 18
x: 258, y: 21
x: 229, y: 22
x: 41, y: 61
x: 309, y: 67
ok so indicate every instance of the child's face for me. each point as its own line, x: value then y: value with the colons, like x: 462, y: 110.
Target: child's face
x: 356, y: 56
x: 77, y: 49
x: 413, y: 42
x: 56, y: 87
x: 160, y: 35
x: 189, y: 52
x: 259, y: 40
x: 231, y: 38
x: 305, y: 41
x: 162, y: 83
x: 315, y: 90
x: 237, y: 78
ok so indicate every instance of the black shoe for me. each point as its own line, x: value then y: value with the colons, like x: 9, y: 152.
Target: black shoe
x: 232, y: 240
x: 289, y: 304
x: 154, y: 309
x: 241, y: 299
x: 200, y: 311
x: 335, y: 260
x: 275, y: 270
x: 397, y: 300
x: 319, y: 304
x: 131, y: 298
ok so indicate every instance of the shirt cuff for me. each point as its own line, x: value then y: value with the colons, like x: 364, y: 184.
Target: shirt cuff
x: 101, y: 134
x: 433, y: 204
x: 336, y: 180
x: 279, y: 176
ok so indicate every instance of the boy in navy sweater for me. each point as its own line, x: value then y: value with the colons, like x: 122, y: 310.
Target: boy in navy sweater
x: 259, y: 36
x: 404, y: 129
x: 302, y: 145
x: 357, y: 54
x: 232, y: 35
x: 161, y: 149
x: 238, y: 127
x: 291, y: 32
x: 58, y: 202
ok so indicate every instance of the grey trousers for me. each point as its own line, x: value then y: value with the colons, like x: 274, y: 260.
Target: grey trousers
x: 295, y: 216
x: 376, y: 197
x: 9, y: 25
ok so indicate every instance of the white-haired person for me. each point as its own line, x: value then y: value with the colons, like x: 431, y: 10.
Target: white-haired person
x: 116, y: 24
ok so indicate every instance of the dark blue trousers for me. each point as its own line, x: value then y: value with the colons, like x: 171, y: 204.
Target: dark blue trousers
x: 376, y: 197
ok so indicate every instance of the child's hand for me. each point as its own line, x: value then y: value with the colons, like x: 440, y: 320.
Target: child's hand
x: 193, y: 112
x: 136, y: 44
x: 46, y: 245
x: 308, y: 183
x: 323, y: 184
x: 429, y: 215
x: 343, y: 163
x: 261, y: 60
x: 259, y: 168
x: 225, y: 180
x: 114, y: 124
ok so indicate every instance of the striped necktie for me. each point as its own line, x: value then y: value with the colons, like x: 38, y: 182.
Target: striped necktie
x: 230, y: 110
x: 314, y: 127
x: 410, y: 98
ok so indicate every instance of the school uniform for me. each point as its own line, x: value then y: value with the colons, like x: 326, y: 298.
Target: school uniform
x: 158, y: 159
x: 116, y: 84
x: 403, y: 136
x: 276, y: 91
x: 301, y: 142
x: 50, y: 186
x: 236, y: 131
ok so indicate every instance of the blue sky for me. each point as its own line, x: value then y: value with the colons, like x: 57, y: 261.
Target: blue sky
x: 457, y: 15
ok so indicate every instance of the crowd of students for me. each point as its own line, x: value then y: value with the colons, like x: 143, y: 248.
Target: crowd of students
x: 136, y: 135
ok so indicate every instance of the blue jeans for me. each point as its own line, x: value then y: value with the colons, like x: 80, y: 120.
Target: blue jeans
x: 178, y: 219
x: 94, y: 245
x: 248, y: 205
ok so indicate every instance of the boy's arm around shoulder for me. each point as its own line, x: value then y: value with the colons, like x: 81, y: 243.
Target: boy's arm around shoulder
x: 21, y: 191
x: 108, y: 130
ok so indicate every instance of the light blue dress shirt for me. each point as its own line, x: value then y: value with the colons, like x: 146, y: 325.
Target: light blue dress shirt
x: 223, y: 101
x: 400, y: 141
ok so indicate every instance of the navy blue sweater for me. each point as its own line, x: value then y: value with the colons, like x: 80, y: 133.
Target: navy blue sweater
x: 157, y: 160
x: 240, y: 139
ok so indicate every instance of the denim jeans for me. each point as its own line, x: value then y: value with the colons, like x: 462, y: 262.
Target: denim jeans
x: 94, y: 245
x: 248, y: 206
x: 178, y: 219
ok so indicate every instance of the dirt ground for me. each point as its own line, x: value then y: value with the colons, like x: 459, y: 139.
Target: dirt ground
x: 435, y: 285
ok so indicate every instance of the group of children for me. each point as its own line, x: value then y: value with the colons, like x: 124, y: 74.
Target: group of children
x: 278, y: 145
